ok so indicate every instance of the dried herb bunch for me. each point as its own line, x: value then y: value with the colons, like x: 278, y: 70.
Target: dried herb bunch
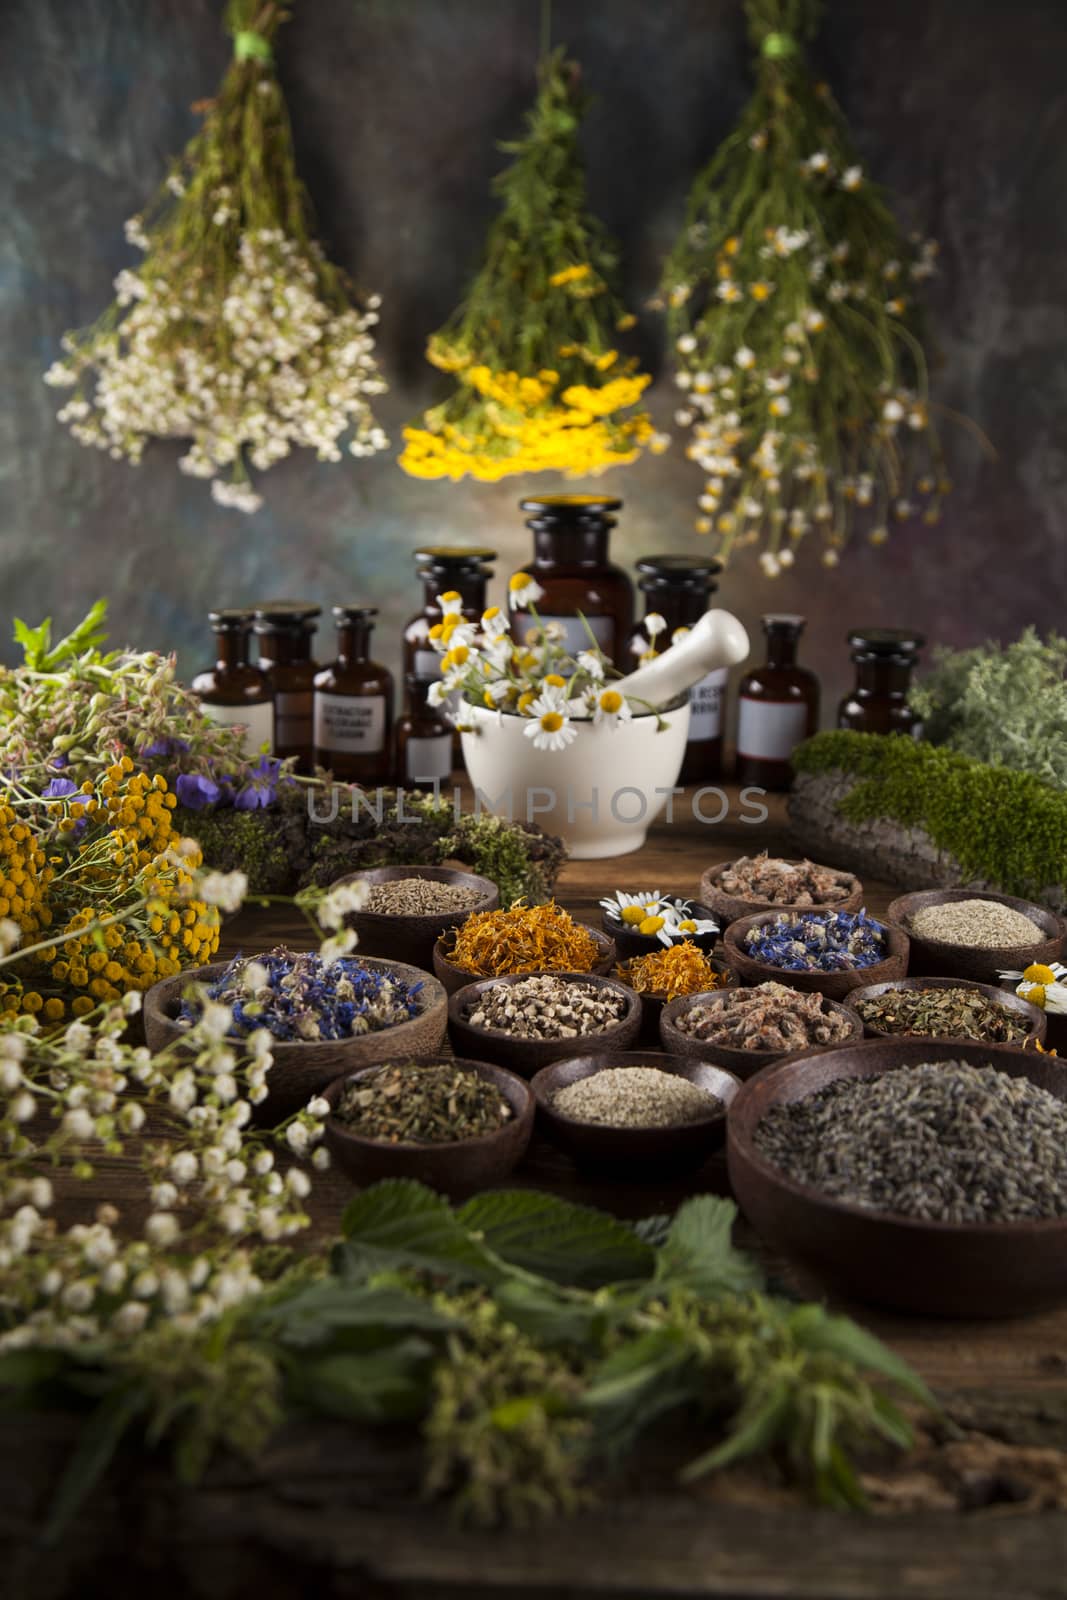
x: 791, y: 299
x: 235, y: 332
x: 541, y: 385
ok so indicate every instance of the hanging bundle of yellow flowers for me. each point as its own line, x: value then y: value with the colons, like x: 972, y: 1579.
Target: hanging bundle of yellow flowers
x: 541, y: 386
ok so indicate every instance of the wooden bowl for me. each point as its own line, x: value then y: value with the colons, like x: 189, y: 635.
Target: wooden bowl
x: 412, y: 938
x: 527, y: 1056
x: 743, y: 1063
x: 455, y: 978
x: 303, y: 1069
x: 1032, y: 1015
x: 727, y: 908
x: 961, y: 1269
x: 652, y: 1003
x: 630, y: 943
x: 834, y: 985
x: 634, y: 1152
x: 936, y: 957
x: 460, y: 1167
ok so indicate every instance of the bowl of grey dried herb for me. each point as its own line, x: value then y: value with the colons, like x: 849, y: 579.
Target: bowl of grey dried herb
x: 958, y: 933
x: 926, y: 1175
x: 529, y: 1020
x: 947, y: 1008
x: 456, y: 1125
x: 407, y: 909
x: 636, y: 1114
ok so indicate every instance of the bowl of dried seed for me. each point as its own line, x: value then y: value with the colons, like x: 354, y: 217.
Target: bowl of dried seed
x: 744, y: 1030
x: 740, y: 888
x: 956, y: 933
x: 529, y: 1020
x: 946, y: 1008
x: 455, y: 1125
x: 925, y: 1175
x: 636, y: 1114
x: 830, y: 952
x: 409, y: 908
x: 518, y: 939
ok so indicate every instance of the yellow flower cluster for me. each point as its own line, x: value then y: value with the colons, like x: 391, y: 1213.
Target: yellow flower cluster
x: 123, y: 874
x: 24, y: 874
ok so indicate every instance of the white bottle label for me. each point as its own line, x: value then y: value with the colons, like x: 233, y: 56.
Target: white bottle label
x: 293, y: 718
x: 349, y: 724
x: 705, y: 705
x: 575, y: 631
x: 770, y: 730
x: 258, y: 723
x: 427, y: 665
x: 426, y: 759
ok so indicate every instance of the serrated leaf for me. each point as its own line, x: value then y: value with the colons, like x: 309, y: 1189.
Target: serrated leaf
x: 816, y: 1329
x: 641, y: 1381
x: 654, y: 1230
x: 753, y: 1432
x: 331, y: 1306
x: 391, y: 1385
x: 553, y: 1317
x: 555, y: 1239
x: 699, y: 1252
x: 400, y: 1223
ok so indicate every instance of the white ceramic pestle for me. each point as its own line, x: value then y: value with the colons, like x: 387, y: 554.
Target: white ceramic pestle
x: 716, y: 640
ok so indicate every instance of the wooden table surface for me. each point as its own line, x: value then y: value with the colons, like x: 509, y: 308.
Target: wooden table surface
x: 977, y: 1512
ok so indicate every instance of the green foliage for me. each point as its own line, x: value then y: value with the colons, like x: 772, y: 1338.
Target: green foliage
x: 1005, y: 705
x: 37, y: 650
x: 504, y: 852
x: 1007, y: 828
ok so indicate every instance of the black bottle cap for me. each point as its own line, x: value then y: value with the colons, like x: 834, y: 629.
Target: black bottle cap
x: 677, y: 572
x: 885, y: 643
x: 354, y: 613
x: 783, y: 622
x: 454, y: 554
x: 230, y: 619
x: 570, y: 507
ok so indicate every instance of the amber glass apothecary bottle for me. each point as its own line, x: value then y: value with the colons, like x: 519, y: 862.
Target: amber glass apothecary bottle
x: 679, y: 589
x: 354, y: 704
x: 444, y: 569
x: 233, y: 691
x: 572, y: 565
x: 423, y: 741
x: 284, y: 632
x: 884, y: 659
x: 778, y: 707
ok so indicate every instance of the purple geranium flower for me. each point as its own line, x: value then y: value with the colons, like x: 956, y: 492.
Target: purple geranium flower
x: 262, y: 786
x: 159, y: 749
x: 59, y: 789
x: 195, y: 791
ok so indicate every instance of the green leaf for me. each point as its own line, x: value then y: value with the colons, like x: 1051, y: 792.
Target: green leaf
x: 88, y: 635
x: 557, y: 1240
x: 331, y: 1306
x: 400, y: 1223
x: 34, y: 641
x: 815, y: 1329
x: 377, y: 1386
x: 755, y: 1431
x: 93, y: 1454
x: 28, y: 1369
x: 699, y: 1252
x: 555, y: 1317
x: 638, y: 1383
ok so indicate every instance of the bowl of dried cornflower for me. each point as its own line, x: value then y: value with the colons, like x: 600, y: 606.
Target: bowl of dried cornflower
x: 744, y: 1030
x: 405, y: 910
x: 831, y: 952
x: 323, y: 1017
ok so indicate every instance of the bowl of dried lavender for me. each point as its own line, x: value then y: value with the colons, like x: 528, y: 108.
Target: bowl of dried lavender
x: 667, y: 974
x: 322, y: 1020
x: 634, y: 1114
x: 831, y: 952
x: 957, y: 933
x: 740, y: 888
x: 926, y: 1175
x: 744, y: 1030
x: 947, y: 1008
x: 453, y: 1124
x: 529, y: 1020
x: 522, y: 938
x: 409, y: 908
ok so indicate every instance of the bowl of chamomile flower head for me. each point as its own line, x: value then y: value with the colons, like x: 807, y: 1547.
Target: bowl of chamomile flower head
x: 643, y: 922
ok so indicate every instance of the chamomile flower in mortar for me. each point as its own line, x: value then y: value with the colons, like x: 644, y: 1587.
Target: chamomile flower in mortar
x: 611, y: 708
x: 654, y: 624
x: 591, y: 662
x: 523, y: 591
x: 550, y: 726
x: 495, y: 622
x: 1041, y: 985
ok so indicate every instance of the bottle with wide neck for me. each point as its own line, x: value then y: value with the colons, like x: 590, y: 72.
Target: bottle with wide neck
x: 284, y: 631
x: 778, y: 707
x: 444, y: 569
x: 233, y: 692
x: 354, y: 704
x: 572, y: 565
x: 423, y: 740
x: 884, y: 659
x: 678, y: 589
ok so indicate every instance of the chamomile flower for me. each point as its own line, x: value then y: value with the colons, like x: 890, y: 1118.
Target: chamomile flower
x: 523, y: 591
x: 611, y: 708
x: 654, y: 624
x: 632, y: 908
x: 1041, y: 985
x: 694, y: 927
x: 450, y: 603
x: 495, y: 622
x: 592, y: 663
x: 550, y: 726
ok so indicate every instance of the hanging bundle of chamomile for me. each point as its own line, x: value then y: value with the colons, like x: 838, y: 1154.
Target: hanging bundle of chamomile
x: 234, y: 332
x: 792, y: 306
x: 540, y: 384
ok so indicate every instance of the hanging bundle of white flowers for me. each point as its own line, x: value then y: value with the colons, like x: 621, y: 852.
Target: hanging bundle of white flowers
x: 235, y: 332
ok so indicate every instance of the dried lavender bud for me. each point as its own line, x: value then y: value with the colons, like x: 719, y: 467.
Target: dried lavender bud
x: 635, y: 1097
x: 545, y: 1007
x: 835, y: 941
x: 767, y: 1017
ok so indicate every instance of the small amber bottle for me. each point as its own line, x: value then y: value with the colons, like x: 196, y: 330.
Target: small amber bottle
x: 572, y: 566
x: 778, y: 707
x: 444, y: 569
x: 354, y: 704
x: 679, y: 589
x: 234, y: 691
x: 423, y: 741
x: 884, y: 659
x: 284, y: 631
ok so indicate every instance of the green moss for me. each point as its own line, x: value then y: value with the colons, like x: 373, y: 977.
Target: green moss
x: 248, y: 841
x: 522, y: 864
x: 1007, y: 827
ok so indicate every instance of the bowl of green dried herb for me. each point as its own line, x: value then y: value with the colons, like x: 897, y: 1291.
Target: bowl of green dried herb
x: 453, y: 1124
x: 963, y: 933
x: 947, y: 1008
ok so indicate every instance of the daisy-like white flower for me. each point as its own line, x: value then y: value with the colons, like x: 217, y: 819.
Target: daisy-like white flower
x: 451, y: 603
x: 745, y: 358
x: 497, y: 691
x: 550, y: 726
x: 495, y: 622
x: 632, y: 908
x: 611, y: 708
x: 439, y: 692
x: 852, y: 177
x: 591, y: 663
x: 654, y: 624
x: 1041, y: 985
x: 523, y: 591
x: 694, y: 927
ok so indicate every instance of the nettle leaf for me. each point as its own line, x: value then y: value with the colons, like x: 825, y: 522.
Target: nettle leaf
x: 815, y: 1329
x: 390, y: 1385
x: 640, y: 1382
x: 400, y: 1223
x: 566, y: 1243
x: 331, y: 1306
x: 555, y: 1316
x: 699, y: 1252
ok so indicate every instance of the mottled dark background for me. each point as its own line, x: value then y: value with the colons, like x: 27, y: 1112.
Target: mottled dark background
x: 957, y: 105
